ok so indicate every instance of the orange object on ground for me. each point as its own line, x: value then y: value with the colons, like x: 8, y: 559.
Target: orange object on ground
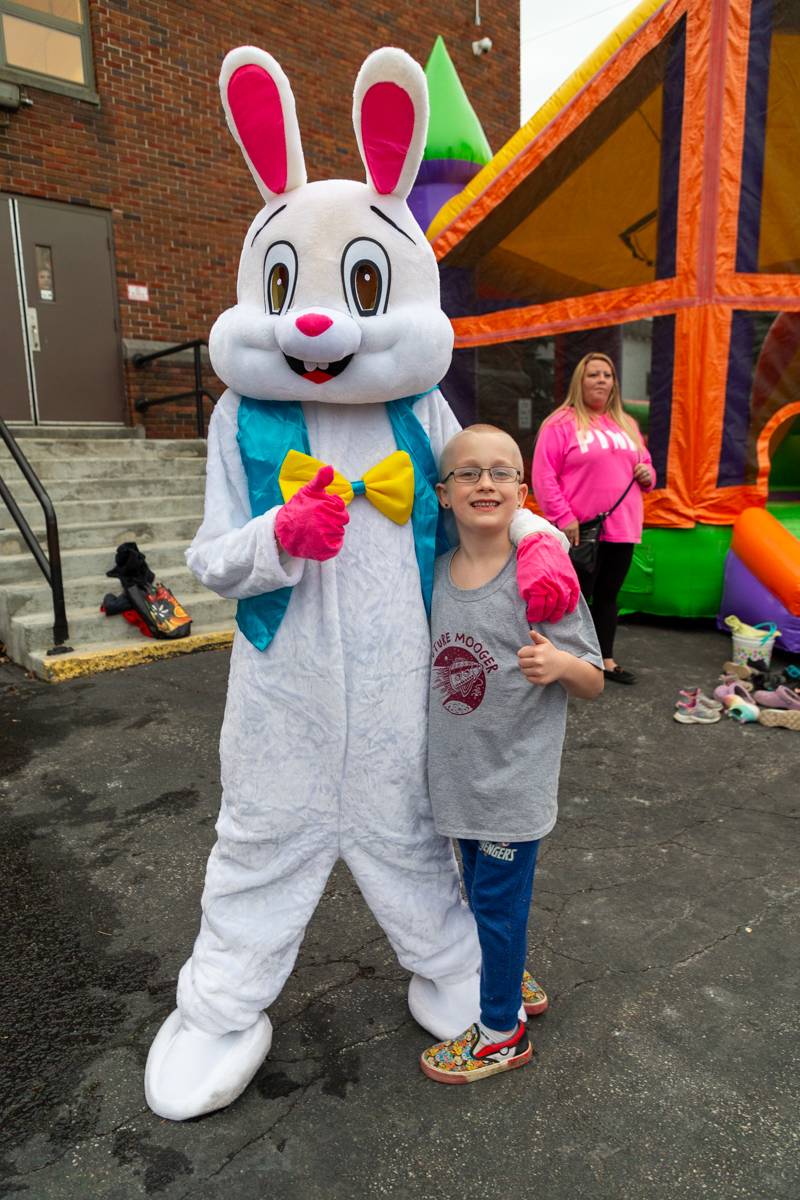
x: 771, y: 552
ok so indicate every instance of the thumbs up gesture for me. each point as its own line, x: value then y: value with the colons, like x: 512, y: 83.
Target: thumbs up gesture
x: 311, y: 524
x: 541, y: 663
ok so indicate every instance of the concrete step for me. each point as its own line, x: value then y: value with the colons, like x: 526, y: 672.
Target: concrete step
x: 106, y: 488
x: 27, y: 599
x: 84, y: 432
x: 113, y: 656
x: 84, y: 511
x: 42, y: 449
x: 162, y: 469
x: 162, y: 557
x: 88, y: 626
x: 108, y: 534
x: 134, y: 486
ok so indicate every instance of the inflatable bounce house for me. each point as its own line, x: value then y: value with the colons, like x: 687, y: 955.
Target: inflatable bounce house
x: 650, y: 210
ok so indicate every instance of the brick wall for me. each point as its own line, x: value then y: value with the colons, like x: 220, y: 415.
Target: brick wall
x: 156, y: 151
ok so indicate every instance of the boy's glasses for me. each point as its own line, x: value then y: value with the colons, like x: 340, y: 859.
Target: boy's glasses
x: 474, y: 474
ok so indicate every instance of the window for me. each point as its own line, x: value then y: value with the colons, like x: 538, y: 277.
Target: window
x: 47, y: 43
x: 598, y: 213
x: 763, y: 379
x: 769, y: 218
x: 517, y: 384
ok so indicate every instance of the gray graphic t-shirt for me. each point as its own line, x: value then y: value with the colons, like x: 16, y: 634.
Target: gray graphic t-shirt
x: 494, y: 740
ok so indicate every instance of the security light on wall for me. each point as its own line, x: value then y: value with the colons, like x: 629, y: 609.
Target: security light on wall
x: 9, y: 96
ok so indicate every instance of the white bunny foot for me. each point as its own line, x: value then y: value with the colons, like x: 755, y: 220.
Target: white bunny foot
x: 190, y: 1072
x: 444, y: 1009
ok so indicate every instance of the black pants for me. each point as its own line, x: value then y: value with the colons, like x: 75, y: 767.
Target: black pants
x: 600, y: 589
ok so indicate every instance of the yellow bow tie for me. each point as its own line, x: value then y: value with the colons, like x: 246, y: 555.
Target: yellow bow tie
x: 389, y: 485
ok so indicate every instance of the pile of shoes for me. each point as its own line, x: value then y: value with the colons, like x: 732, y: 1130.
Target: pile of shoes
x: 746, y: 693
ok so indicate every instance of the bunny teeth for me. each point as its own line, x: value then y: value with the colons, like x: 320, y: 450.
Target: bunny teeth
x: 317, y: 372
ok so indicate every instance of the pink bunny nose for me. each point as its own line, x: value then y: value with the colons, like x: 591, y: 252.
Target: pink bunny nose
x: 313, y: 324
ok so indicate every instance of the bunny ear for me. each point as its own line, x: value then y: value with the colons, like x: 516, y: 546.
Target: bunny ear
x: 390, y: 116
x: 259, y: 107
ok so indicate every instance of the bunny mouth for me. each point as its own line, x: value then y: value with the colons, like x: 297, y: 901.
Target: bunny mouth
x: 317, y: 372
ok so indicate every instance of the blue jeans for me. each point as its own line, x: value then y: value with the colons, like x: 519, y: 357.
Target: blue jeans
x: 498, y: 880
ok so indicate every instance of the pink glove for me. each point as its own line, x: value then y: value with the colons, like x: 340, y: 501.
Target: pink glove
x: 546, y: 578
x: 311, y: 524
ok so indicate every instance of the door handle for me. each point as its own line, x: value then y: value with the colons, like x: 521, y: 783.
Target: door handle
x: 33, y: 327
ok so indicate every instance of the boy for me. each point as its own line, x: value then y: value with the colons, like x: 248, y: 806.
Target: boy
x: 496, y: 730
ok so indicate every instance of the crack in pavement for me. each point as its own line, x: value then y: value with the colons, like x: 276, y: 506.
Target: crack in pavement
x: 309, y: 1056
x: 628, y: 881
x: 769, y: 812
x: 259, y: 1137
x: 610, y: 973
x: 95, y: 1136
x: 302, y: 1088
x: 357, y: 973
x: 563, y: 954
x: 332, y: 962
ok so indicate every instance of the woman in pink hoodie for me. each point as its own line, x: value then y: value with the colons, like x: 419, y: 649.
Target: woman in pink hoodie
x: 586, y: 454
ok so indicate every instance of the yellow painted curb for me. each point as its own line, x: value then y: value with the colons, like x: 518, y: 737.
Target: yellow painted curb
x: 90, y: 662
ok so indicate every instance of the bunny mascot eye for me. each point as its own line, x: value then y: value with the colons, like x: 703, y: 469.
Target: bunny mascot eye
x: 280, y: 275
x: 366, y: 276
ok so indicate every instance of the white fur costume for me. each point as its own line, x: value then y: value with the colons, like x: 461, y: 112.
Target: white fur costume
x: 323, y: 741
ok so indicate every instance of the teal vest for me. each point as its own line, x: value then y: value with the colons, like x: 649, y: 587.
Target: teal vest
x: 268, y: 430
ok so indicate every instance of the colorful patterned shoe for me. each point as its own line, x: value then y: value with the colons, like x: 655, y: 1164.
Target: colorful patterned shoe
x: 534, y: 997
x: 468, y: 1058
x: 740, y: 710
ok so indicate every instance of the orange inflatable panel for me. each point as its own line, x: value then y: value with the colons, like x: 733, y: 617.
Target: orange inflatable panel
x: 771, y: 552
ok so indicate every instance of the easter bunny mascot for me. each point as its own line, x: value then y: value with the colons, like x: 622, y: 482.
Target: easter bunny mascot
x: 321, y: 520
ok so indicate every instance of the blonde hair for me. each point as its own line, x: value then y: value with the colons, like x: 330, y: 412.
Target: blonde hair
x: 583, y: 416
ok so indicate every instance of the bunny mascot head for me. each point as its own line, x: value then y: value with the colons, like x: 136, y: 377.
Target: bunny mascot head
x: 338, y: 288
x: 321, y: 520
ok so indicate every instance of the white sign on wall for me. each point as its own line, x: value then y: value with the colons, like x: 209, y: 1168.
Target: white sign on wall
x: 139, y: 291
x: 524, y: 413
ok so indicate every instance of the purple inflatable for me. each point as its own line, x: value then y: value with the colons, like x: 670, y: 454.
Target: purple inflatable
x: 745, y: 596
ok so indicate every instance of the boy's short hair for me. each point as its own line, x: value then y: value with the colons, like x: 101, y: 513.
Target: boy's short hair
x: 450, y: 446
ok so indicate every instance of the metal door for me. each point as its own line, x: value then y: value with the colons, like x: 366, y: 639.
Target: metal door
x: 69, y: 306
x: 15, y: 392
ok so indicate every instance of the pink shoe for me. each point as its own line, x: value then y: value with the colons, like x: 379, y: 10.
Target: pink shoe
x: 692, y: 696
x: 726, y: 677
x: 782, y: 697
x: 696, y: 714
x: 736, y: 688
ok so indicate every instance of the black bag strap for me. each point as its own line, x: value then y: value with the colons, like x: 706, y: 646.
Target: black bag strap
x: 622, y: 497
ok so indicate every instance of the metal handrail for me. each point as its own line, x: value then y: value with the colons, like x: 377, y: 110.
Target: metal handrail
x: 50, y: 567
x: 199, y: 392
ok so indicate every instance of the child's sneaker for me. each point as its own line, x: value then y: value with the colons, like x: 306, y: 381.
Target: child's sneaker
x: 471, y: 1057
x: 534, y: 997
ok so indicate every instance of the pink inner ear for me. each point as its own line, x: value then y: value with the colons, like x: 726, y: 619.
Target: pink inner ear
x: 255, y: 104
x: 387, y: 126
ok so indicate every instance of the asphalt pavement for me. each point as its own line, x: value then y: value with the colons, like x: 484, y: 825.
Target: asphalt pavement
x: 664, y: 928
